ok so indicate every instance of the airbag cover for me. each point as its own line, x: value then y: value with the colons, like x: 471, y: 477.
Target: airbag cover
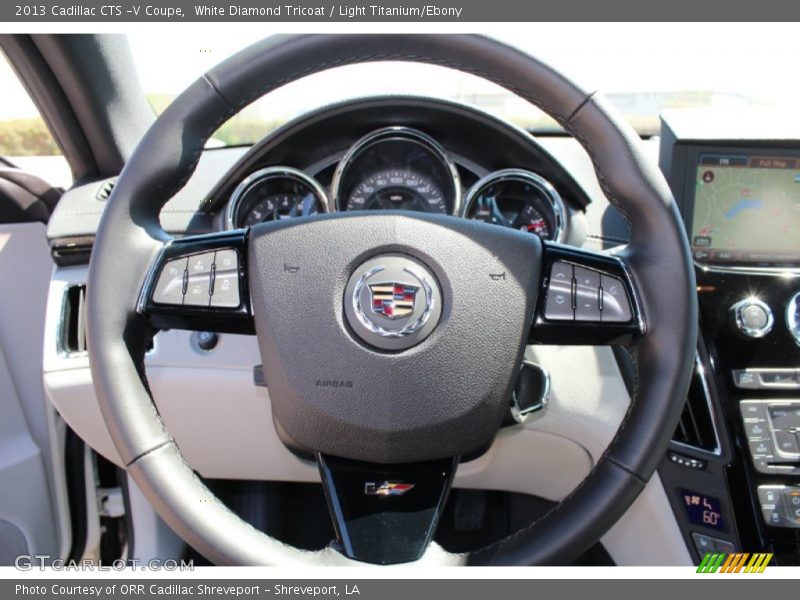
x: 445, y: 396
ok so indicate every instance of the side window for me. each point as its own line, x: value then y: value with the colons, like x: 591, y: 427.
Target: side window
x: 25, y: 140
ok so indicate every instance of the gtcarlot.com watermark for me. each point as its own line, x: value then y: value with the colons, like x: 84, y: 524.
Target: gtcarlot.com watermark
x: 29, y: 562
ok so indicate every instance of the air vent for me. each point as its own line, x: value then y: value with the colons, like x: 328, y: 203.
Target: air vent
x: 72, y: 250
x: 104, y: 193
x: 73, y: 321
x: 696, y: 426
x: 72, y: 335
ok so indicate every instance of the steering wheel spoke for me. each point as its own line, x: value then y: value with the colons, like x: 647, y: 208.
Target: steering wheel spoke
x: 200, y: 283
x: 586, y: 298
x: 385, y: 514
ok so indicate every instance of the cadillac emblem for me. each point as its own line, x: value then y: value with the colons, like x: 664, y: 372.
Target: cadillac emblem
x: 393, y: 300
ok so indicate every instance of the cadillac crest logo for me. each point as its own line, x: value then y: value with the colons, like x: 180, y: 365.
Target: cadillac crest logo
x: 393, y: 300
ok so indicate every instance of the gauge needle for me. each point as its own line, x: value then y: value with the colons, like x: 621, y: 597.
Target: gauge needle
x: 490, y: 205
x: 536, y: 225
x: 308, y: 204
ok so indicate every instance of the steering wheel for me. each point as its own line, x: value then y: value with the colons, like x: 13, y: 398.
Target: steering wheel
x: 373, y: 328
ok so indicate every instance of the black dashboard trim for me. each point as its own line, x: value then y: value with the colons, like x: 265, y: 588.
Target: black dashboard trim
x: 408, y: 113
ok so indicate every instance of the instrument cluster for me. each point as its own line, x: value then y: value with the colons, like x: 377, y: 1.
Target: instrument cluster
x: 401, y: 168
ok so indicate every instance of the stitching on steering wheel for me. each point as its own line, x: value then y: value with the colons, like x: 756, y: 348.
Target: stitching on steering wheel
x: 600, y: 177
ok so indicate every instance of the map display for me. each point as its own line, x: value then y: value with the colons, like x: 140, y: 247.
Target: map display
x: 746, y: 210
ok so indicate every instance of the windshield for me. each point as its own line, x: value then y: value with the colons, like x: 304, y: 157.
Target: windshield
x: 719, y: 66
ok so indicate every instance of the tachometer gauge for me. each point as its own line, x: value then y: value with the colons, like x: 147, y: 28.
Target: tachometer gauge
x: 519, y: 199
x: 275, y: 193
x: 395, y: 189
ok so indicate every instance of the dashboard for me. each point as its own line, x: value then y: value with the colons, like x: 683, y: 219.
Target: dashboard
x: 731, y: 476
x: 732, y: 473
x: 733, y: 469
x: 208, y: 390
x: 400, y: 168
x: 430, y: 156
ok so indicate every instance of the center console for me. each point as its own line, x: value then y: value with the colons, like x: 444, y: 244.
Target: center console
x: 739, y: 196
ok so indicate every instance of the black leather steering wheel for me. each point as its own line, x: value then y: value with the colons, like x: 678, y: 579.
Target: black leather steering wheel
x: 383, y: 379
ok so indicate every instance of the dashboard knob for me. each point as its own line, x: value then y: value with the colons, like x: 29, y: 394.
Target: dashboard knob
x: 205, y: 341
x: 753, y: 317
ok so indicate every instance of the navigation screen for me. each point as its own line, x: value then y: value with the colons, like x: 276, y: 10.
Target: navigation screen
x: 746, y: 209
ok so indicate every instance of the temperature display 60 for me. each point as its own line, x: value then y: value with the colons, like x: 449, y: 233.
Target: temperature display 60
x: 703, y: 510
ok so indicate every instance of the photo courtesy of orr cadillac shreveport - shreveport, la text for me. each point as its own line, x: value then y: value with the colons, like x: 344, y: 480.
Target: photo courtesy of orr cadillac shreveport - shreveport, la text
x: 164, y: 589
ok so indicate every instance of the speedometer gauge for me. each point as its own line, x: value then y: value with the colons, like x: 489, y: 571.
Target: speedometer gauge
x: 397, y: 168
x: 273, y: 194
x: 395, y: 189
x: 519, y: 199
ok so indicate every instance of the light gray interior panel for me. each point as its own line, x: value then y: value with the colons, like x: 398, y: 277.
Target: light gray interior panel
x: 79, y: 210
x: 12, y: 543
x: 32, y: 487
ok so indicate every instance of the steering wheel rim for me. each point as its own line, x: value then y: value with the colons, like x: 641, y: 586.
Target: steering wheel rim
x: 130, y: 234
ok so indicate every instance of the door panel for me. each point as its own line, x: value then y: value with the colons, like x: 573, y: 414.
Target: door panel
x: 33, y: 502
